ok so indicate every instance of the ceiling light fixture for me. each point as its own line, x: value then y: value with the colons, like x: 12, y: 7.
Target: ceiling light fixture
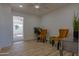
x: 37, y: 6
x: 20, y: 6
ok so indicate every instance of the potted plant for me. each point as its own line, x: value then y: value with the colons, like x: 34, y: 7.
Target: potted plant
x: 75, y: 28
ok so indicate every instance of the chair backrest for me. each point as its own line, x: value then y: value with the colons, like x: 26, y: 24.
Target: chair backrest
x: 43, y: 33
x: 63, y: 33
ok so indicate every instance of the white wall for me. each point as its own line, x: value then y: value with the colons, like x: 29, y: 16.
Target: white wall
x: 59, y: 18
x: 30, y: 21
x: 5, y: 26
x: 53, y: 21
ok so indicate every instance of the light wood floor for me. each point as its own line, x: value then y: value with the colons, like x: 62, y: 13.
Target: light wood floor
x: 31, y: 48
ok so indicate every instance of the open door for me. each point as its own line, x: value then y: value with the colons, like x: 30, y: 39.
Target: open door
x: 17, y: 28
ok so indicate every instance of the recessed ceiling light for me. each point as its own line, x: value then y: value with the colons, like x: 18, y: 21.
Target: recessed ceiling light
x: 20, y: 6
x: 37, y: 6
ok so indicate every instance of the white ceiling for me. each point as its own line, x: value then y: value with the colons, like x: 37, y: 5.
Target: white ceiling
x: 29, y: 8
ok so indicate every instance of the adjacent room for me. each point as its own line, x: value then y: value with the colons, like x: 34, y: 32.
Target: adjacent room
x: 39, y: 29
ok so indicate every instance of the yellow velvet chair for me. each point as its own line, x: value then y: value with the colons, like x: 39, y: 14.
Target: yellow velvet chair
x: 63, y: 33
x: 42, y: 35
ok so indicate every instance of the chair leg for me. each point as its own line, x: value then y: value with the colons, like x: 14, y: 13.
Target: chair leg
x: 58, y: 45
x: 43, y: 40
x: 61, y: 52
x: 72, y: 53
x: 53, y: 42
x: 60, y: 48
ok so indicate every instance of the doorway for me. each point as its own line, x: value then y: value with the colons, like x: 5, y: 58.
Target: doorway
x: 17, y: 28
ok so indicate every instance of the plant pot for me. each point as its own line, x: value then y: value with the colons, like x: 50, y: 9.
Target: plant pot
x: 75, y: 36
